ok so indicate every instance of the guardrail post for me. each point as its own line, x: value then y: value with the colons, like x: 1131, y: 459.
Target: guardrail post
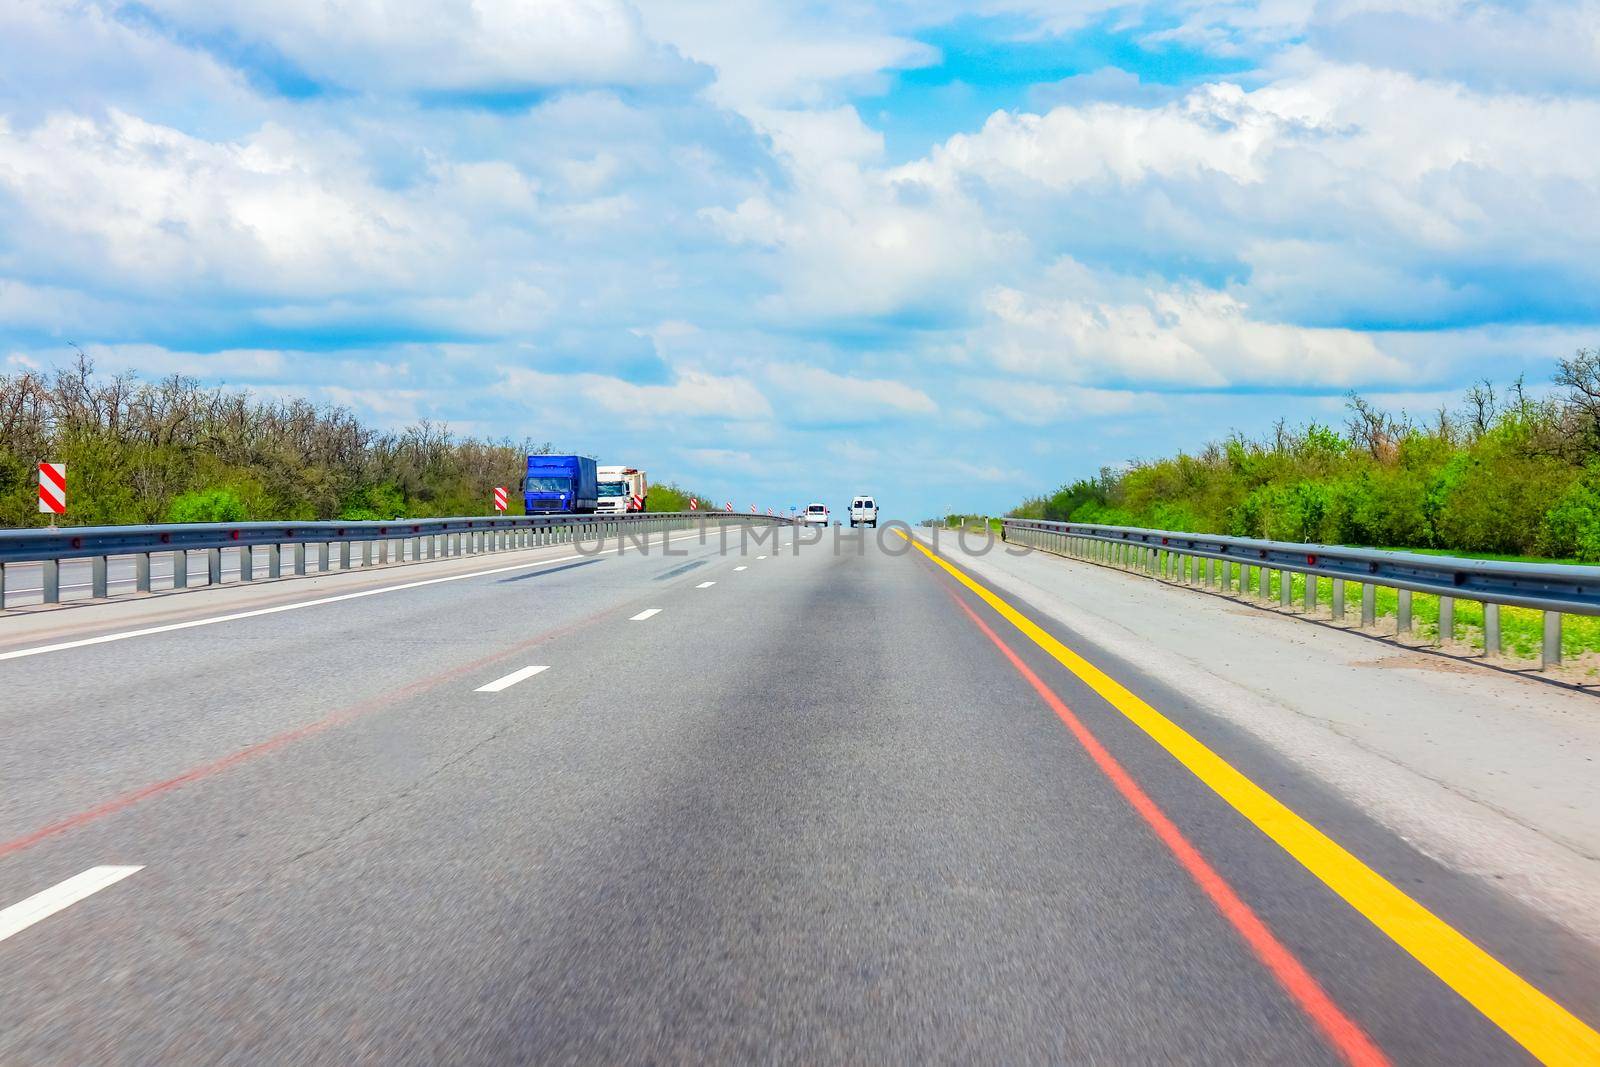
x: 2, y: 586
x: 274, y: 561
x: 323, y: 552
x: 213, y: 566
x: 1264, y: 583
x: 383, y: 551
x: 97, y: 577
x: 1551, y: 652
x: 366, y: 553
x: 416, y: 549
x: 141, y: 572
x: 344, y: 555
x: 1311, y: 594
x: 247, y: 563
x: 1491, y: 631
x: 1446, y: 634
x: 1338, y: 599
x: 299, y: 551
x: 1285, y: 588
x: 1369, y: 604
x: 1402, y: 612
x: 50, y: 581
x: 180, y: 569
x: 433, y: 545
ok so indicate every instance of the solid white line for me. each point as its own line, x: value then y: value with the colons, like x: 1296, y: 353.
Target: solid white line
x: 275, y: 609
x: 22, y: 915
x: 761, y: 557
x: 645, y: 614
x: 83, y: 642
x: 510, y: 680
x: 738, y: 568
x: 705, y: 585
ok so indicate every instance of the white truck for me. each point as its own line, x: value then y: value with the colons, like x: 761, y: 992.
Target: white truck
x: 622, y: 489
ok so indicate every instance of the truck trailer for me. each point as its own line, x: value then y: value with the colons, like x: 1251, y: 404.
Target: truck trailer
x: 622, y: 489
x: 560, y: 484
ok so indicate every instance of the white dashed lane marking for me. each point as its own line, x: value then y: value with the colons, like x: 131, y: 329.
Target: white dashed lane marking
x: 40, y: 906
x: 705, y: 585
x: 510, y: 680
x: 645, y: 614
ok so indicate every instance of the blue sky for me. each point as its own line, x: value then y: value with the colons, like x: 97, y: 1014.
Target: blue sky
x: 953, y: 253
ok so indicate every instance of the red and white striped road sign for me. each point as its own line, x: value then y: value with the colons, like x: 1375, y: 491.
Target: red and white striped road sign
x: 752, y: 509
x: 728, y: 506
x: 771, y: 513
x: 53, y: 488
x: 499, y: 498
x: 638, y: 502
x: 694, y: 505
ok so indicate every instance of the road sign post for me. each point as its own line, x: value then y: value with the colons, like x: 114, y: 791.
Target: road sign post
x: 53, y: 488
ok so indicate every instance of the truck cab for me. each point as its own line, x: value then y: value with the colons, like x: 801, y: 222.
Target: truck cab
x: 560, y: 484
x: 621, y: 490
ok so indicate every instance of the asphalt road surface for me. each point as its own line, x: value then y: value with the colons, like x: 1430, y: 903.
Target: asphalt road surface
x: 819, y: 806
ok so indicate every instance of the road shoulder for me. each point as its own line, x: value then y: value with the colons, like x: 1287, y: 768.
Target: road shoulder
x: 1490, y: 774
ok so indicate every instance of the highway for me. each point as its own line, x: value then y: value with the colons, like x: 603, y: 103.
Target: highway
x: 797, y: 805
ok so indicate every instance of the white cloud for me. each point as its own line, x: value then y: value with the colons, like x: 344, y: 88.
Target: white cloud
x: 139, y: 206
x: 813, y: 394
x: 1083, y: 330
x: 57, y: 54
x: 692, y: 393
x: 482, y: 46
x: 850, y: 240
x: 770, y: 54
x: 1038, y: 403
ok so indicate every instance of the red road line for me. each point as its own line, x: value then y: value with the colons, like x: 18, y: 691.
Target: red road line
x: 277, y: 741
x: 1342, y: 1032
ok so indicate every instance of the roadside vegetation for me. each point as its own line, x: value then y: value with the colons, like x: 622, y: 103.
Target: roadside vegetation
x: 669, y: 497
x: 174, y: 451
x: 1507, y: 474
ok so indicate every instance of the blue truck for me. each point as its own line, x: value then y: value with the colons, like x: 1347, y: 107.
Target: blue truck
x: 560, y: 484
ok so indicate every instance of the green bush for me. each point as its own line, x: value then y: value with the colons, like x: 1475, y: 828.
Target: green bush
x: 1572, y: 526
x: 207, y: 505
x: 1506, y: 476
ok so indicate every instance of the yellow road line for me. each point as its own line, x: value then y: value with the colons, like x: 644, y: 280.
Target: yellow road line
x: 1537, y: 1023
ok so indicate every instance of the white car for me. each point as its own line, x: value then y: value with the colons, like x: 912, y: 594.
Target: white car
x: 864, y: 511
x: 814, y: 515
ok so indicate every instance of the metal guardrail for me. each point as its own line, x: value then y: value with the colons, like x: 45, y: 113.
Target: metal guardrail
x: 1181, y: 557
x: 411, y: 540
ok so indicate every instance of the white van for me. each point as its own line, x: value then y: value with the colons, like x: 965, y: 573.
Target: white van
x: 864, y: 511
